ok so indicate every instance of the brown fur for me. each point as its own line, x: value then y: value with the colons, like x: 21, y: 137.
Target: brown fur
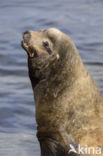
x: 69, y: 106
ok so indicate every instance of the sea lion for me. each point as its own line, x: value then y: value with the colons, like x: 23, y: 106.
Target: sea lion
x: 69, y: 106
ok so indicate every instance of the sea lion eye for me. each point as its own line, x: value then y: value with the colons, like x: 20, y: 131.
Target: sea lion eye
x: 45, y: 43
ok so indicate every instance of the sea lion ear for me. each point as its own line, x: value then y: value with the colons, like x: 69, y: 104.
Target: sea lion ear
x: 50, y: 147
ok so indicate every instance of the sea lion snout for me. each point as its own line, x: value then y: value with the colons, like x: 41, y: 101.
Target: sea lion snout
x: 26, y: 36
x: 26, y: 44
x: 27, y: 33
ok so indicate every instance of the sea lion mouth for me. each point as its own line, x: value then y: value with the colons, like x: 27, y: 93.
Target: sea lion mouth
x: 30, y: 51
x: 24, y: 45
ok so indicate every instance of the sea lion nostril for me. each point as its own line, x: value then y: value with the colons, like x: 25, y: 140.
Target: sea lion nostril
x: 26, y: 34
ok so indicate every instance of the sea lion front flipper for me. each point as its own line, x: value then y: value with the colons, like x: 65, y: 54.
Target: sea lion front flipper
x: 50, y: 147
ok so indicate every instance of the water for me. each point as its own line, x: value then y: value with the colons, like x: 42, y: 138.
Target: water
x: 82, y: 20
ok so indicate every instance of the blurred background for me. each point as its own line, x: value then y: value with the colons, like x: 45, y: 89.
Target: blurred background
x: 82, y: 20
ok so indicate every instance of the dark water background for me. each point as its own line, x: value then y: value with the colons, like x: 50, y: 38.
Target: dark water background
x: 82, y: 20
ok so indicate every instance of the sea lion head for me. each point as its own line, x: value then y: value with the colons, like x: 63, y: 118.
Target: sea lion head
x: 43, y: 52
x: 38, y: 45
x: 47, y: 50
